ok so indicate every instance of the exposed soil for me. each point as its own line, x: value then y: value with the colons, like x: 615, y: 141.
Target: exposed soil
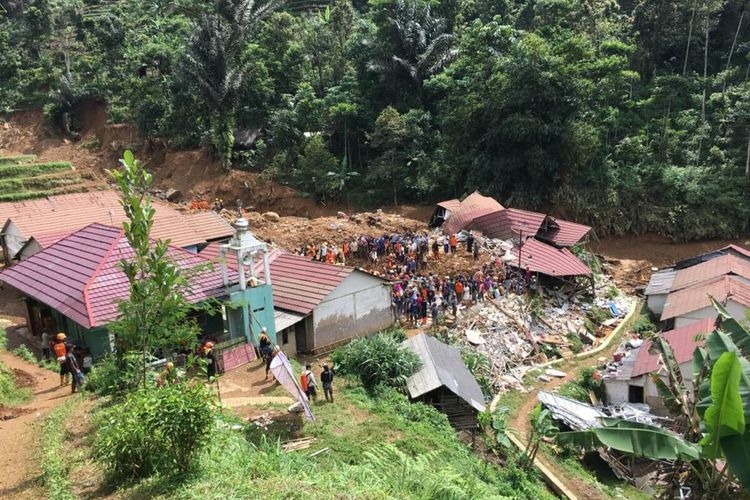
x: 20, y: 470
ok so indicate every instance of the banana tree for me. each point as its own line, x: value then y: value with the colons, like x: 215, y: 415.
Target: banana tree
x: 717, y: 414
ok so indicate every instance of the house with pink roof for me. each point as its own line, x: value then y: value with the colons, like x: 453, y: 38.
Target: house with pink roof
x: 75, y: 284
x: 632, y: 383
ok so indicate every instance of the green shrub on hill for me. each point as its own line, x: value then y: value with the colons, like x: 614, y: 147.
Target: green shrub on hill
x: 378, y: 360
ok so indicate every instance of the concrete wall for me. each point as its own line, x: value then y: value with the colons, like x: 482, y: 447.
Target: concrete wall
x: 360, y: 305
x: 736, y: 309
x: 656, y: 303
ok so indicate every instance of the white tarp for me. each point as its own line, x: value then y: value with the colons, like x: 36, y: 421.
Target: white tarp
x: 282, y: 370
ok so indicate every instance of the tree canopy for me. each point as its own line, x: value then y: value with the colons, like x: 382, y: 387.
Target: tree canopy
x: 631, y: 116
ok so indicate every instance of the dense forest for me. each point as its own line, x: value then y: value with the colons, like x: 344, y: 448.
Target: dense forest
x: 632, y: 116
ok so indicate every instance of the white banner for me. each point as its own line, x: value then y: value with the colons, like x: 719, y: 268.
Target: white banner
x: 282, y: 370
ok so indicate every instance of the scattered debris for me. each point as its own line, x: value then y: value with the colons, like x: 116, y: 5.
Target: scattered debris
x: 555, y: 373
x: 262, y: 421
x: 298, y: 444
x: 272, y: 217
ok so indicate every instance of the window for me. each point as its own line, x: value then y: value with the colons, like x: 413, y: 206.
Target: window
x: 635, y: 394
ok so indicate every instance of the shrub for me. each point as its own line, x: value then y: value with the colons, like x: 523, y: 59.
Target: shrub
x: 379, y: 360
x: 23, y: 352
x: 575, y: 343
x: 114, y: 375
x: 155, y: 430
x: 9, y: 393
x: 3, y: 338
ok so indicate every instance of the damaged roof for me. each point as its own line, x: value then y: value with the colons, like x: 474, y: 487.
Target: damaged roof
x: 545, y: 259
x: 660, y: 282
x: 508, y: 223
x: 80, y: 275
x: 475, y: 205
x: 441, y: 366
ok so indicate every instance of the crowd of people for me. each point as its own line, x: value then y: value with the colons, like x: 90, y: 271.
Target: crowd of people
x: 417, y: 297
x: 392, y: 254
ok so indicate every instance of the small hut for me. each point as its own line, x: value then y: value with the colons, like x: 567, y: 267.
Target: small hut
x: 444, y: 382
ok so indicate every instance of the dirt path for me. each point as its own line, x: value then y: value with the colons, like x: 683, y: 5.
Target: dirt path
x: 519, y: 422
x: 20, y: 471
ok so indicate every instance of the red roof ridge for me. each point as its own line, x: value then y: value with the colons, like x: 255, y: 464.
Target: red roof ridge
x: 115, y: 243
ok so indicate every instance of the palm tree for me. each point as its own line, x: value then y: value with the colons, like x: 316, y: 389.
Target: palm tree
x: 214, y: 65
x: 422, y: 45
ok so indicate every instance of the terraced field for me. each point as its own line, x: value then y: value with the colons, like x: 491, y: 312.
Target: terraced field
x: 21, y: 177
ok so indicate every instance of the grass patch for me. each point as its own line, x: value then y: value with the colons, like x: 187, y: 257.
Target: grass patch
x: 18, y: 171
x: 27, y: 195
x: 54, y: 455
x: 377, y: 447
x: 16, y: 160
x: 10, y: 394
x: 42, y: 182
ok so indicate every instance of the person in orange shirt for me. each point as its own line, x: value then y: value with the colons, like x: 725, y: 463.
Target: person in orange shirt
x: 453, y: 243
x: 330, y: 256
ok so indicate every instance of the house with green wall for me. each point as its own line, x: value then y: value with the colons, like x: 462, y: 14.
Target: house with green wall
x: 75, y: 286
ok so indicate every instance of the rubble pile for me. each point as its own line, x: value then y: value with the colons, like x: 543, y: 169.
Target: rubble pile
x: 520, y: 333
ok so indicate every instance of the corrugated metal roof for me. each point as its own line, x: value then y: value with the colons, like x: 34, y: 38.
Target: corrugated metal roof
x: 80, y: 275
x: 299, y: 284
x: 696, y: 297
x: 711, y: 269
x: 450, y: 205
x: 210, y: 225
x: 551, y: 261
x: 683, y: 343
x: 575, y: 414
x: 69, y: 212
x: 475, y: 205
x: 561, y: 232
x: 660, y: 282
x: 508, y: 223
x: 442, y: 366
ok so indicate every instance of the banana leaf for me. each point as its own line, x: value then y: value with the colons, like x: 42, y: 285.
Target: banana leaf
x: 736, y: 331
x: 633, y: 438
x: 737, y: 452
x: 717, y: 344
x: 725, y: 416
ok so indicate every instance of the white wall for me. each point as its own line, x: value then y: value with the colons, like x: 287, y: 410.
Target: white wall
x: 656, y: 303
x: 736, y: 309
x: 360, y: 305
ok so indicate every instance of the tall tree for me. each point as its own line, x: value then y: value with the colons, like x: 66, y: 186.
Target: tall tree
x: 215, y: 65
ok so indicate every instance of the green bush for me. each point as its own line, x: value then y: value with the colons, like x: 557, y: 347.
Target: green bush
x: 3, y: 338
x: 114, y: 376
x: 23, y: 352
x: 378, y: 360
x: 16, y: 160
x: 575, y: 343
x: 9, y: 393
x: 155, y: 431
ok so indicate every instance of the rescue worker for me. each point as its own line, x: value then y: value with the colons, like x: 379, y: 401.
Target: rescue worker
x: 61, y: 351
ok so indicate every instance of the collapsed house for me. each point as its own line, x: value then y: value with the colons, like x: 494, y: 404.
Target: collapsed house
x: 532, y: 241
x: 680, y: 295
x: 628, y: 379
x: 29, y: 226
x: 444, y: 382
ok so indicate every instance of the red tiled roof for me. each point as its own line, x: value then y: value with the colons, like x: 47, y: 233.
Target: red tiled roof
x: 299, y: 284
x: 451, y: 205
x: 683, y: 343
x: 210, y: 225
x: 697, y: 297
x: 546, y: 259
x: 711, y: 269
x: 505, y: 224
x: 562, y: 233
x: 475, y: 205
x: 80, y: 275
x: 70, y: 212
